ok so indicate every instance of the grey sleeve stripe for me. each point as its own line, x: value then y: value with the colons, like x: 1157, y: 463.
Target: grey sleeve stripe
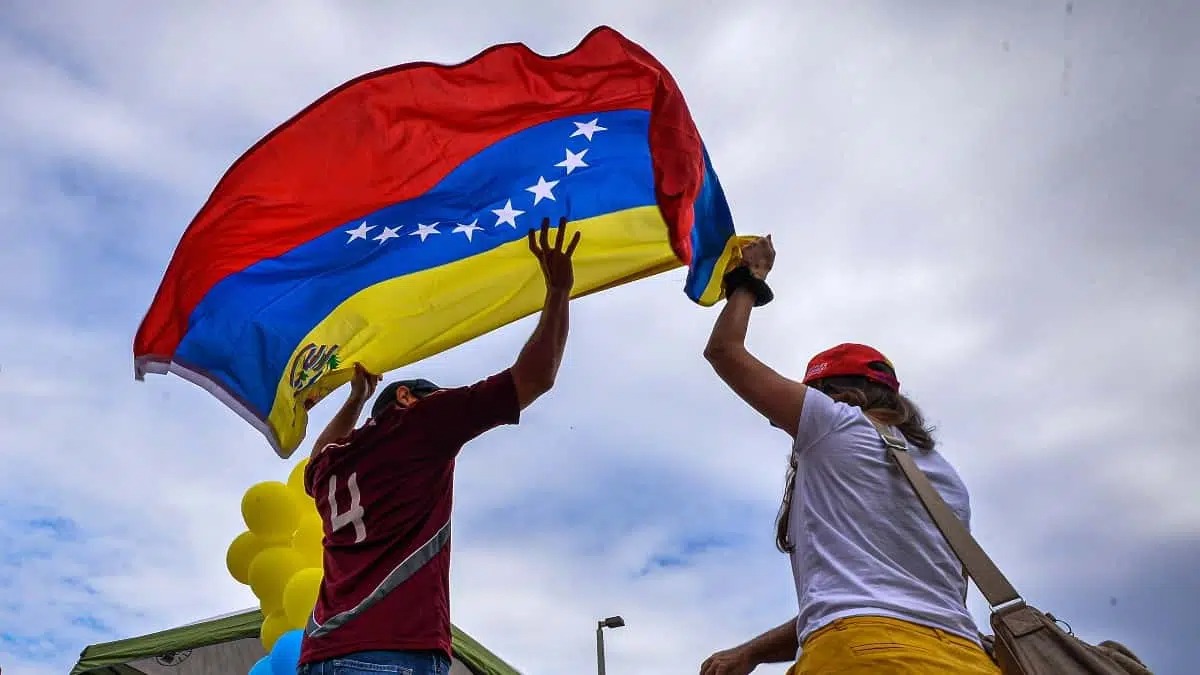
x: 408, y: 567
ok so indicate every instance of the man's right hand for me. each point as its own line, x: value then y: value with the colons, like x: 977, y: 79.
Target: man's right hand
x: 556, y: 265
x: 734, y: 661
x: 537, y: 365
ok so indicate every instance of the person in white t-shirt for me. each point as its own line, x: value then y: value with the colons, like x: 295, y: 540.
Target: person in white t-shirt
x: 878, y: 588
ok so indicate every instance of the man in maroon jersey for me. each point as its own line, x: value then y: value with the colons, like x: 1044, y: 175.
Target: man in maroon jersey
x: 384, y: 492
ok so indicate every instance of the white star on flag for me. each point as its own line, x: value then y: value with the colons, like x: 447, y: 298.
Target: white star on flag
x: 359, y: 232
x: 424, y: 231
x: 388, y: 233
x: 587, y: 128
x: 468, y: 229
x: 507, y: 214
x: 573, y: 161
x: 543, y: 190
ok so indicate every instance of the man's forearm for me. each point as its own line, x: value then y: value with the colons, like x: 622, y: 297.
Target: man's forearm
x: 537, y: 365
x: 778, y: 645
x: 341, y: 425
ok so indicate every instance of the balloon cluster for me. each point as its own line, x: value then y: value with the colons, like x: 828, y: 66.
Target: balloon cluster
x: 279, y: 558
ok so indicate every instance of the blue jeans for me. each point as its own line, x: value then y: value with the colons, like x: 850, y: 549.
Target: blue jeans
x: 377, y: 663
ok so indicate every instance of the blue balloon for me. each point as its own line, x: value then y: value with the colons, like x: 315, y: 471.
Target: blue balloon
x: 285, y: 655
x: 261, y: 667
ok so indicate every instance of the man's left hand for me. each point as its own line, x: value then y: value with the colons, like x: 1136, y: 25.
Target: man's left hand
x: 362, y: 387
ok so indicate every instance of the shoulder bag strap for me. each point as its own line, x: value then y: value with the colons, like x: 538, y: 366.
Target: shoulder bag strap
x: 991, y: 582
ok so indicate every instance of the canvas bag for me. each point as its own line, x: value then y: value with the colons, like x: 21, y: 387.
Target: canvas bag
x: 1026, y: 641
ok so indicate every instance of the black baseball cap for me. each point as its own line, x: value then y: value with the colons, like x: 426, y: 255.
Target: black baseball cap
x: 419, y: 387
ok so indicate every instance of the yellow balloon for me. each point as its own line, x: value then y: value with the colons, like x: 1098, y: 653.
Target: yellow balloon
x: 270, y: 510
x: 270, y: 571
x: 271, y: 605
x: 273, y: 625
x: 300, y: 595
x: 241, y: 552
x: 307, y: 540
x: 295, y: 479
x: 308, y: 507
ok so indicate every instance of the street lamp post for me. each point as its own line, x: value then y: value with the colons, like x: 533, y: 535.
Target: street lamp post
x: 610, y: 622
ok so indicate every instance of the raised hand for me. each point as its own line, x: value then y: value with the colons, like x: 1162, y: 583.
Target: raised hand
x: 362, y: 386
x: 557, y: 268
x: 759, y: 256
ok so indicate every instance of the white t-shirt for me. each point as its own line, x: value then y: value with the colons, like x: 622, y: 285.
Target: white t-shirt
x: 864, y: 544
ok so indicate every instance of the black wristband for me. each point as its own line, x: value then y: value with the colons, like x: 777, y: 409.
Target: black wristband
x: 742, y: 276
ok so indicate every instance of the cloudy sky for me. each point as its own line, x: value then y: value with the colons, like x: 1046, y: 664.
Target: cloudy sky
x: 1002, y: 199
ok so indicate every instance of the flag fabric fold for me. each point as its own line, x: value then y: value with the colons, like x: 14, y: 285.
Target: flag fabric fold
x: 385, y: 223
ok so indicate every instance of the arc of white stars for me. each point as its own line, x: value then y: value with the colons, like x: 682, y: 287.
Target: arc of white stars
x: 424, y: 231
x: 468, y: 229
x: 359, y: 232
x: 587, y: 129
x: 388, y: 233
x: 573, y: 161
x: 543, y: 190
x: 507, y: 215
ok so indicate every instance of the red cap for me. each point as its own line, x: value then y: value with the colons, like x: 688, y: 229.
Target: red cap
x: 851, y: 359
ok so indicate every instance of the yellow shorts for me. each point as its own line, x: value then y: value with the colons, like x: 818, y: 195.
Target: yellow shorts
x: 882, y: 646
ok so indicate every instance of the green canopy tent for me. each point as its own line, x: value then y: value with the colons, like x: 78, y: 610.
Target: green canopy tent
x: 229, y: 645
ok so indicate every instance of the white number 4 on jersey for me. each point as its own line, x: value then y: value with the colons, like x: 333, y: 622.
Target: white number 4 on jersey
x: 353, y: 515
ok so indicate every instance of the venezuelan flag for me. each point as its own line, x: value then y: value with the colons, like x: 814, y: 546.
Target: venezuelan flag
x: 385, y: 223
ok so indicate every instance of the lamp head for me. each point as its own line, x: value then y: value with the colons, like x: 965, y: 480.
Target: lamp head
x: 613, y: 622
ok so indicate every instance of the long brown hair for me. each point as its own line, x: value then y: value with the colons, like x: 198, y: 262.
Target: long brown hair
x: 885, y: 405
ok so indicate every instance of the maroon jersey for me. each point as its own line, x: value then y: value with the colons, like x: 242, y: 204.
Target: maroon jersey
x: 384, y: 494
